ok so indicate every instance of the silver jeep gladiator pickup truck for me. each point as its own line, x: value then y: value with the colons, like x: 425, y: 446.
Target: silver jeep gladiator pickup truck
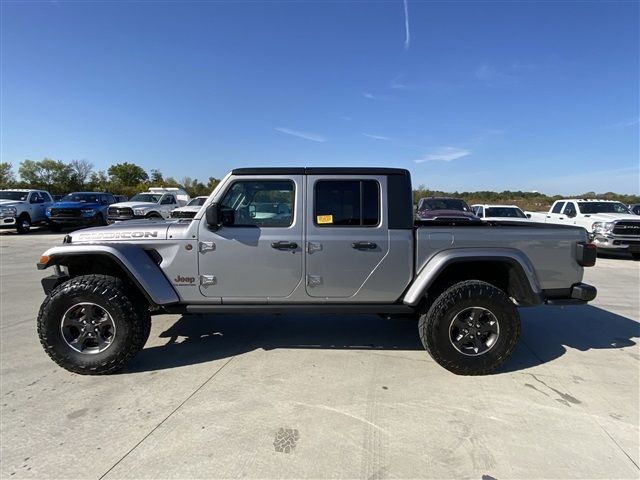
x: 334, y: 240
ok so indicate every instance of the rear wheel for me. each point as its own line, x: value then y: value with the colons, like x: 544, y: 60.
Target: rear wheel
x: 23, y: 224
x: 636, y: 255
x: 471, y: 328
x: 89, y: 325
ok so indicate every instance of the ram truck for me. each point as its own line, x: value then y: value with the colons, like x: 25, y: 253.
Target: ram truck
x: 309, y: 240
x: 158, y: 202
x: 611, y: 225
x: 22, y: 208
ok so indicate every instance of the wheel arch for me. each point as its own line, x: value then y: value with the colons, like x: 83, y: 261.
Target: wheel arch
x: 138, y: 266
x: 508, y: 269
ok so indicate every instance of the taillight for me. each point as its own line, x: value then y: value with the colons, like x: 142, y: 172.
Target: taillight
x: 586, y: 254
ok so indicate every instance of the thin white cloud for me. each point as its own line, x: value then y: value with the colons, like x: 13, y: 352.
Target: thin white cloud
x: 315, y: 137
x: 376, y: 137
x: 443, y: 154
x: 491, y: 76
x: 372, y: 96
x: 630, y: 122
x: 407, y: 33
x: 395, y: 83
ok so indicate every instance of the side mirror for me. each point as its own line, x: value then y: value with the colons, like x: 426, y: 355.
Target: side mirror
x: 214, y: 216
x: 528, y: 215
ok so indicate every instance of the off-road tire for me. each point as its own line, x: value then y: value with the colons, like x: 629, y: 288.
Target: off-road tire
x: 435, y: 324
x: 23, y: 223
x: 130, y: 314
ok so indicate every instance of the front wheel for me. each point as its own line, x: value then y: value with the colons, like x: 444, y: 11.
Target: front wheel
x: 24, y: 224
x: 471, y: 328
x: 89, y: 325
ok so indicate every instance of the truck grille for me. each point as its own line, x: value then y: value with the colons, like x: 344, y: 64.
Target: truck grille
x: 123, y: 213
x: 627, y: 228
x: 65, y: 212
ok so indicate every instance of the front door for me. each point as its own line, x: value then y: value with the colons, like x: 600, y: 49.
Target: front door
x: 259, y: 256
x: 347, y: 234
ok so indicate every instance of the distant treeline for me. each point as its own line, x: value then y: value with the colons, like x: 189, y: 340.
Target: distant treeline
x: 128, y: 179
x: 125, y: 178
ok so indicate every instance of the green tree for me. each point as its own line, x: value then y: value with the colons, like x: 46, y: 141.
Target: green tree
x: 127, y: 174
x: 53, y: 175
x: 99, y: 181
x: 80, y: 173
x: 156, y: 178
x: 7, y: 177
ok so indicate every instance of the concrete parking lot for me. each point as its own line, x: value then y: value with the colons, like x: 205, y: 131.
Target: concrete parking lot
x: 324, y: 396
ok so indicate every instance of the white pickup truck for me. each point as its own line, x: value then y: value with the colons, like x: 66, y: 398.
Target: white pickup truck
x: 158, y: 202
x: 611, y: 224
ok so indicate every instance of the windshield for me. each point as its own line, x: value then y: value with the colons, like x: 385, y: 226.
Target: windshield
x: 145, y: 197
x: 602, y: 207
x: 22, y: 196
x: 443, y: 204
x: 197, y: 202
x: 510, y: 212
x: 80, y: 197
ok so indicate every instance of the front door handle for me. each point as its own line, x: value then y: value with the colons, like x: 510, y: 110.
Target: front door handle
x: 284, y: 245
x: 364, y: 245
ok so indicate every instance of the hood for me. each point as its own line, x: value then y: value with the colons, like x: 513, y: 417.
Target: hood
x: 194, y: 208
x: 506, y: 219
x: 131, y: 230
x: 431, y: 214
x: 610, y: 217
x: 75, y: 205
x: 133, y: 204
x: 11, y: 203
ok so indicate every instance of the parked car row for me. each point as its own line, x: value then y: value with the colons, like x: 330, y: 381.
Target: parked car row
x: 23, y: 208
x: 611, y: 225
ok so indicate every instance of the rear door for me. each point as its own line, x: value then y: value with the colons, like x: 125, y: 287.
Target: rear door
x: 347, y: 233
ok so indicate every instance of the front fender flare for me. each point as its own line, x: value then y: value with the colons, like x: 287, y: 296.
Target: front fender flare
x: 133, y: 260
x: 514, y: 258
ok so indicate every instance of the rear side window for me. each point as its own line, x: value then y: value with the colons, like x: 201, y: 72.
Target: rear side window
x: 347, y: 203
x: 557, y: 208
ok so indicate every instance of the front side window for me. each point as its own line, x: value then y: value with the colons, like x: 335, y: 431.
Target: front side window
x: 557, y: 208
x: 259, y: 203
x: 354, y: 203
x: 145, y: 197
x: 570, y: 209
x: 168, y: 200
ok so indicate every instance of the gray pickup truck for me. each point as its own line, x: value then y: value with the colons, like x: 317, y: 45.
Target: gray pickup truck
x: 309, y: 240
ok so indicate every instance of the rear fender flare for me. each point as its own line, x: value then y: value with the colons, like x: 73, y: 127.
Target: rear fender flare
x: 518, y: 262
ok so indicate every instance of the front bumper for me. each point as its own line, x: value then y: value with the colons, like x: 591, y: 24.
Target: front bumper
x: 617, y: 242
x: 578, y: 294
x: 8, y: 222
x: 71, y: 220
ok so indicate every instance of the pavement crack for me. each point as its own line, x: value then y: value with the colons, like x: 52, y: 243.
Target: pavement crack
x: 165, y: 419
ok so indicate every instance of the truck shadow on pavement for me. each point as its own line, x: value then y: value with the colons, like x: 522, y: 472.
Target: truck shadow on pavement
x: 546, y: 334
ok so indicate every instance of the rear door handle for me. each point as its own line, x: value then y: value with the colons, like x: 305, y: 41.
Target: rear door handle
x: 284, y: 245
x: 364, y: 245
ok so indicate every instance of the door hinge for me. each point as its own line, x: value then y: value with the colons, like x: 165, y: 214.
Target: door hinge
x: 313, y: 247
x: 206, y: 280
x: 204, y: 247
x: 314, y: 280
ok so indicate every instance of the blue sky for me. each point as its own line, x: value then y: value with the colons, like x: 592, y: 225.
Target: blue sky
x: 467, y: 95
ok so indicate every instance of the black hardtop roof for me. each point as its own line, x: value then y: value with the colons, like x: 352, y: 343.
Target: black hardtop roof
x: 320, y: 171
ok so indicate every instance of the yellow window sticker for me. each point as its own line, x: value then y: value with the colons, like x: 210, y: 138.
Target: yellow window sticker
x: 320, y: 219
